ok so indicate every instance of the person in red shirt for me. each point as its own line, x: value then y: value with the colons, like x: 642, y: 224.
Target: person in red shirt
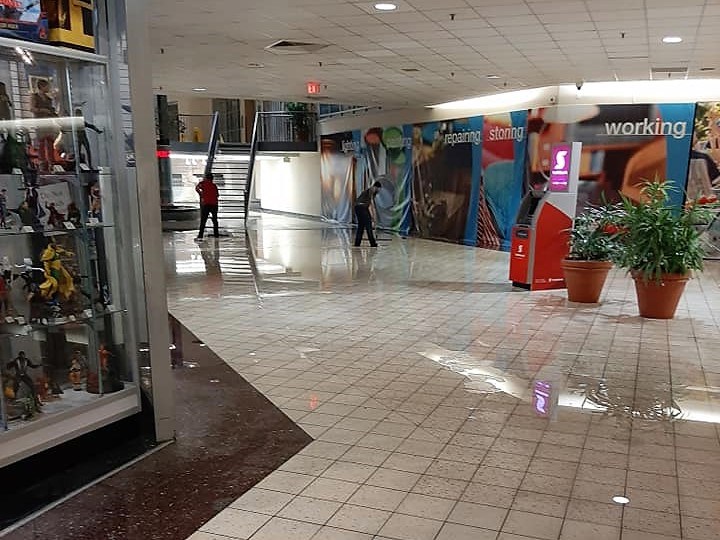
x: 208, y: 204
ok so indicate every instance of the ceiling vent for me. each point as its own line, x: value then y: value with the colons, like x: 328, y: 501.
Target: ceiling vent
x: 285, y: 46
x: 668, y: 72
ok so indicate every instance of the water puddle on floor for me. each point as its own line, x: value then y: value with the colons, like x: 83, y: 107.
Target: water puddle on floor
x: 553, y: 390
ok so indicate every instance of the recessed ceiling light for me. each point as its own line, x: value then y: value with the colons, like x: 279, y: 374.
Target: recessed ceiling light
x: 672, y: 39
x: 199, y: 89
x: 386, y: 6
x: 620, y: 500
x: 493, y: 76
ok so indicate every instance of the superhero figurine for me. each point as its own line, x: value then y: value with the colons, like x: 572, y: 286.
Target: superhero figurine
x: 40, y: 308
x: 58, y: 280
x: 19, y: 369
x: 77, y: 365
x: 56, y: 219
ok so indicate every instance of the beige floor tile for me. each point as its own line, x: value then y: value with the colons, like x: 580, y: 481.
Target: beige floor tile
x: 332, y: 533
x: 287, y: 482
x: 534, y: 525
x: 453, y: 531
x: 423, y: 506
x: 402, y: 527
x: 262, y: 501
x: 235, y: 523
x: 309, y: 510
x: 278, y: 528
x: 377, y: 497
x: 392, y: 479
x: 330, y: 490
x: 540, y: 503
x: 476, y: 515
x: 578, y: 530
x: 350, y: 472
x: 359, y: 519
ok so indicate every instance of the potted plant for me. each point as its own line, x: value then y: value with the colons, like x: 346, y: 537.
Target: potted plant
x: 593, y: 240
x: 662, y: 246
x: 300, y: 121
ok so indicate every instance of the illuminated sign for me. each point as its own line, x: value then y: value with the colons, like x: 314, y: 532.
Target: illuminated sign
x: 313, y: 88
x: 560, y: 167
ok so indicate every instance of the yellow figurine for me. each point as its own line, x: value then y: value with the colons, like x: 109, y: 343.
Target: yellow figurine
x: 57, y: 279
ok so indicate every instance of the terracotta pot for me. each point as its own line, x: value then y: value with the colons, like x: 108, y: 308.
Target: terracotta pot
x: 585, y: 279
x: 659, y: 299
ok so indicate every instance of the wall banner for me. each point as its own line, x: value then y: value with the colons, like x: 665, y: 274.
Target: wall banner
x: 385, y: 156
x: 623, y: 146
x: 446, y: 179
x: 337, y: 175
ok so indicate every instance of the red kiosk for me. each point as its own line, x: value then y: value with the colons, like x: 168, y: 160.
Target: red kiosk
x: 540, y: 235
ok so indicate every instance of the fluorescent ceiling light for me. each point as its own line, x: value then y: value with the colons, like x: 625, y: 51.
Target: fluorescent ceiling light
x: 672, y: 39
x: 386, y: 6
x: 505, y: 100
x: 199, y: 89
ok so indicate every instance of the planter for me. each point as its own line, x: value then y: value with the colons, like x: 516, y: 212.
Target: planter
x: 659, y: 299
x: 585, y: 279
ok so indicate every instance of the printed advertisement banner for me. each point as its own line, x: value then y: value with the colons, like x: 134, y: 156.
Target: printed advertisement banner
x: 446, y: 179
x: 503, y: 177
x: 337, y: 175
x: 386, y: 157
x: 463, y: 180
x: 623, y: 147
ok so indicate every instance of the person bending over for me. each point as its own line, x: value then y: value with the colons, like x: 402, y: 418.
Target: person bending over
x: 364, y: 210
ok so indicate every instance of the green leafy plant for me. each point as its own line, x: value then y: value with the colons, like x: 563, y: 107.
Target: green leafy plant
x: 300, y: 118
x: 657, y: 238
x: 595, y: 234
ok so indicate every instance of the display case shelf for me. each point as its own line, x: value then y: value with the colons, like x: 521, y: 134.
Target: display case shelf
x: 66, y: 332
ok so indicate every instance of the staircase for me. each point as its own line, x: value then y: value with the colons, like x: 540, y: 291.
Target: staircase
x: 232, y: 164
x: 230, y: 169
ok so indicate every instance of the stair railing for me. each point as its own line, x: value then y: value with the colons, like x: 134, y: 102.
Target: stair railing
x: 213, y: 143
x: 251, y: 165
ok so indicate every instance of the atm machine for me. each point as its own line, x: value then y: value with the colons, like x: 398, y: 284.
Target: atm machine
x: 541, y: 232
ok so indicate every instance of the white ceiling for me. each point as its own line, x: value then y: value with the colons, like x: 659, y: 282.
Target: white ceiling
x: 526, y: 42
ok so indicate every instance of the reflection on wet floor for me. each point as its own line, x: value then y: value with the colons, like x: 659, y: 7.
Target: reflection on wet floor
x: 445, y: 403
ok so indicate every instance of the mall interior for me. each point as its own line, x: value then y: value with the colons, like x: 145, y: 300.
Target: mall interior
x: 464, y: 282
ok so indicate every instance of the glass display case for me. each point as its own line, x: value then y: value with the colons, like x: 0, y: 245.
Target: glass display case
x: 66, y: 339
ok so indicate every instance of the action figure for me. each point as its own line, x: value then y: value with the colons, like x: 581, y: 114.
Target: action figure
x: 83, y: 141
x: 20, y: 367
x: 43, y: 107
x: 3, y: 207
x: 57, y: 279
x: 104, y: 357
x: 56, y: 219
x: 32, y: 198
x: 73, y: 214
x: 6, y: 279
x: 95, y: 203
x: 5, y: 103
x: 77, y: 365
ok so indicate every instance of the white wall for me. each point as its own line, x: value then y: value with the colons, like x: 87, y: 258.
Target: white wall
x: 194, y: 106
x: 292, y: 186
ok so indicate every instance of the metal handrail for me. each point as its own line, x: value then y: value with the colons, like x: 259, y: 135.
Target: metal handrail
x: 251, y: 165
x: 213, y: 144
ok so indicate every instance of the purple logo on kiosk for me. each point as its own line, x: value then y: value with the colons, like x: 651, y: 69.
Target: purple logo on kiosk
x: 560, y: 167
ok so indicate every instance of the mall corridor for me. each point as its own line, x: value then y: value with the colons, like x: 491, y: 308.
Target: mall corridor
x: 443, y: 404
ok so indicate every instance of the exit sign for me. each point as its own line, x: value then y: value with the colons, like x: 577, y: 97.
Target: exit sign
x: 313, y: 88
